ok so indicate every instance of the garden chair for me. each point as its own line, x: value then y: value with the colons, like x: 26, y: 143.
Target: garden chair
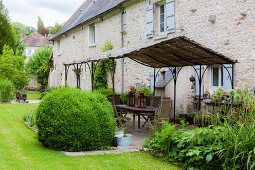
x: 163, y: 113
x: 119, y: 115
x: 20, y: 96
x: 155, y: 102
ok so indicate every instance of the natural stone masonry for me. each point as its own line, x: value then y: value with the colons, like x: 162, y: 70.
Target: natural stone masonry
x: 225, y: 26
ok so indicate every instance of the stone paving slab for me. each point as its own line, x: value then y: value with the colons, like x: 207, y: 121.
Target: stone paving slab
x: 118, y: 150
x: 27, y: 101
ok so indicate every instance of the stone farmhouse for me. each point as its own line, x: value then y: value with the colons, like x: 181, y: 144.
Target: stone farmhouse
x: 226, y: 27
x: 35, y: 41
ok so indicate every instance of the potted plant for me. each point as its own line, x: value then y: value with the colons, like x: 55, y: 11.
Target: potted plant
x: 123, y: 139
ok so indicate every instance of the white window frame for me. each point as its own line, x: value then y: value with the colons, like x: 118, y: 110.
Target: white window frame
x: 29, y: 52
x: 220, y: 78
x: 159, y: 17
x: 91, y: 44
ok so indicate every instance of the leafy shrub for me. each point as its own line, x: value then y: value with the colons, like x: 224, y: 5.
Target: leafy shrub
x: 12, y: 68
x: 73, y: 120
x: 146, y: 90
x: 30, y: 119
x: 191, y: 148
x: 48, y: 90
x: 104, y: 91
x: 123, y: 98
x: 108, y: 92
x: 227, y: 144
x: 39, y: 65
x: 6, y: 90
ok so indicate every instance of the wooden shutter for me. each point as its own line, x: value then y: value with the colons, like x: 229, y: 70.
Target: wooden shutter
x: 170, y: 16
x: 150, y: 21
x: 227, y: 77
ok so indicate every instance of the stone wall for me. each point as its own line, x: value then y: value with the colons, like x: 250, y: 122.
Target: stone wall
x: 225, y: 26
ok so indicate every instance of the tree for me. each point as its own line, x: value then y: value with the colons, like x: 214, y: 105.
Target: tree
x: 43, y: 31
x: 56, y: 28
x: 39, y: 65
x: 3, y: 10
x: 12, y: 68
x: 31, y: 30
x: 6, y: 32
x: 19, y: 30
x: 40, y: 23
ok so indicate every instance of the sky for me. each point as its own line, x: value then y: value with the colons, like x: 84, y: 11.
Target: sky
x: 50, y: 11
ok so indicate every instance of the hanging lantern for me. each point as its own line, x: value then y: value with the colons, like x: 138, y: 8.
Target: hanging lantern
x: 142, y: 100
x: 131, y: 99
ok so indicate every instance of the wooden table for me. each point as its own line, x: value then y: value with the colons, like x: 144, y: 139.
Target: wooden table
x: 137, y: 111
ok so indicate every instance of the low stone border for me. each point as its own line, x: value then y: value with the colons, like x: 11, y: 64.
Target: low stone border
x: 118, y: 150
x: 26, y: 102
x: 30, y: 127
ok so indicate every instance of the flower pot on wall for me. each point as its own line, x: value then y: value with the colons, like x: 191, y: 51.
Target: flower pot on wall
x: 123, y: 140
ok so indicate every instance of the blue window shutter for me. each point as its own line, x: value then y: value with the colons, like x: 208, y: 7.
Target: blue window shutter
x: 150, y: 21
x: 227, y: 77
x: 170, y: 16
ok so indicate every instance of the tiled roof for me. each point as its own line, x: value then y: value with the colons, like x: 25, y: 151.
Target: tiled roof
x: 87, y: 11
x: 37, y: 40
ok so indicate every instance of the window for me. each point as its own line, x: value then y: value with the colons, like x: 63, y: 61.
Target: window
x: 221, y: 77
x: 162, y: 19
x: 58, y: 47
x: 217, y: 76
x: 92, y: 34
x: 29, y: 52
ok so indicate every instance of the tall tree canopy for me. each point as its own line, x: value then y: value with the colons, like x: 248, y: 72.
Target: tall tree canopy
x: 40, y: 23
x: 6, y: 31
x: 54, y: 29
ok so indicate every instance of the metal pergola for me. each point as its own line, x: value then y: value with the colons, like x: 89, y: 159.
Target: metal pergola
x: 174, y: 53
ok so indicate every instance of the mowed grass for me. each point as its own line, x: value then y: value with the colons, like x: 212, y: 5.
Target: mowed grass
x: 33, y: 95
x: 19, y: 149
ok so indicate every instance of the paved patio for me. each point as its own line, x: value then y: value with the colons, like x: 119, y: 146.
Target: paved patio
x: 138, y: 137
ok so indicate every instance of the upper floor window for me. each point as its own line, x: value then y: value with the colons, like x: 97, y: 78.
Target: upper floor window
x: 160, y: 18
x: 92, y: 34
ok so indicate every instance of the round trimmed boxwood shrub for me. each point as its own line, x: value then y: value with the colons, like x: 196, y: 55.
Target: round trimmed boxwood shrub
x: 73, y: 120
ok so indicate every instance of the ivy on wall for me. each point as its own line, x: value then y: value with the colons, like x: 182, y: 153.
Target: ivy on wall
x: 103, y: 67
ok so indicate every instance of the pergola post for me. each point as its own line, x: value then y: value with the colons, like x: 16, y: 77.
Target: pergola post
x: 175, y: 81
x: 92, y: 76
x: 154, y: 82
x: 66, y: 73
x: 113, y: 87
x: 200, y: 87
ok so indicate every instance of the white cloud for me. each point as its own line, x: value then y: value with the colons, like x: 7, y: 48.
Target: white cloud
x: 51, y: 11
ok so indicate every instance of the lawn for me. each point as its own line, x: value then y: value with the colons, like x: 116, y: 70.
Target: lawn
x: 33, y: 95
x: 20, y: 149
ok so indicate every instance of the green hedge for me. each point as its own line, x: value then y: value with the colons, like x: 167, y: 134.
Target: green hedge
x: 73, y: 120
x: 6, y: 90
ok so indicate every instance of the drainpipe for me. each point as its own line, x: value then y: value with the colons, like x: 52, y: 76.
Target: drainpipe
x: 122, y: 45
